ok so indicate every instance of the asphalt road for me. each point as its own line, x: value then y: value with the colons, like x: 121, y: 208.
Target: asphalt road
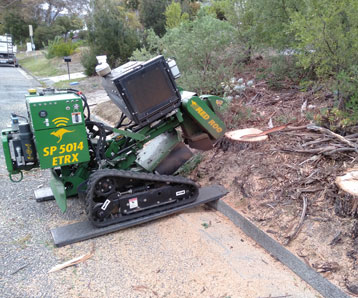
x: 14, y: 84
x: 193, y: 254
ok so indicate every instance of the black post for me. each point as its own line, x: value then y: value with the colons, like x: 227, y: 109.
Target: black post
x: 68, y: 70
x: 67, y: 59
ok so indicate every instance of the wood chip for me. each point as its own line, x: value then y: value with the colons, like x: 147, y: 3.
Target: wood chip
x: 72, y: 262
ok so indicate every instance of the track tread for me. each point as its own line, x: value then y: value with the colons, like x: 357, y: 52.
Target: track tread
x: 99, y: 174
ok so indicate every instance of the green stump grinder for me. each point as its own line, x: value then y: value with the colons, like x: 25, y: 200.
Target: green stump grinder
x: 124, y: 173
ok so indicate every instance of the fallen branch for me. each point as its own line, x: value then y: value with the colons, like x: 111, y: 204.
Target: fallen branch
x: 300, y: 224
x: 316, y: 142
x: 352, y: 136
x: 319, y: 150
x: 345, y: 149
x: 337, y: 238
x: 335, y: 135
x: 310, y: 190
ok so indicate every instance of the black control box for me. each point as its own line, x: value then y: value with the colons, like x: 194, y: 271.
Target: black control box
x: 147, y: 88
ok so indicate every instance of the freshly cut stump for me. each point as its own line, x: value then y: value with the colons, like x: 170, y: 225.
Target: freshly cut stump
x: 246, y: 135
x: 349, y: 184
x: 241, y: 139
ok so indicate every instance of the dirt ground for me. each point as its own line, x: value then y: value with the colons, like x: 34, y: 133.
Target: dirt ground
x: 286, y: 185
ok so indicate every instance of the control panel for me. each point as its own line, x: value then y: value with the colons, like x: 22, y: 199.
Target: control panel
x: 51, y: 111
x: 59, y: 129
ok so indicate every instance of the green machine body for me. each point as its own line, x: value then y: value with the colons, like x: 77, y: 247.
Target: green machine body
x: 125, y: 165
x: 59, y: 129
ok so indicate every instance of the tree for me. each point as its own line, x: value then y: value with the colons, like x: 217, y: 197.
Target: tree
x: 69, y: 23
x: 44, y: 33
x: 15, y: 25
x: 49, y: 10
x: 15, y: 16
x: 191, y: 7
x: 174, y: 16
x: 151, y: 15
x: 266, y: 23
x: 110, y: 32
x: 326, y: 34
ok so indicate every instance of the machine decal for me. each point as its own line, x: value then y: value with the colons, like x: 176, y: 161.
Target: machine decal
x: 60, y: 121
x: 64, y: 148
x: 206, y: 116
x: 64, y: 159
x: 105, y: 204
x: 59, y: 133
x: 199, y: 110
x: 133, y: 203
x: 29, y: 151
x: 76, y: 117
x: 219, y: 102
x: 180, y: 193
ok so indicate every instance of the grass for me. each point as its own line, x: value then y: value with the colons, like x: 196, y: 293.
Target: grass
x: 40, y: 66
x: 66, y: 84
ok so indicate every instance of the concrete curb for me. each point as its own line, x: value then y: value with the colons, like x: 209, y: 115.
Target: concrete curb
x: 319, y: 283
x: 30, y: 74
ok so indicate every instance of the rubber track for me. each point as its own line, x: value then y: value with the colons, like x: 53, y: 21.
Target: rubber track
x: 145, y: 177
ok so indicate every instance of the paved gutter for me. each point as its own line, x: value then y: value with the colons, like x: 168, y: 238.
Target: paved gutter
x: 319, y: 283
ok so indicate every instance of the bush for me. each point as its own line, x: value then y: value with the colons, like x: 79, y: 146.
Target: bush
x: 206, y: 51
x: 327, y: 35
x: 174, y: 16
x: 59, y: 48
x: 283, y: 69
x: 150, y: 49
x: 89, y: 62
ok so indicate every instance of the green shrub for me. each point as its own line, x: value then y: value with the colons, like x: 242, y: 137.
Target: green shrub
x: 150, y: 49
x: 59, y: 48
x: 89, y: 61
x: 283, y: 69
x: 206, y: 51
x: 327, y: 35
x: 174, y: 16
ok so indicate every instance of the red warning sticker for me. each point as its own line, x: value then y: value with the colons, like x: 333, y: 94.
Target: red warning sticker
x: 133, y: 203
